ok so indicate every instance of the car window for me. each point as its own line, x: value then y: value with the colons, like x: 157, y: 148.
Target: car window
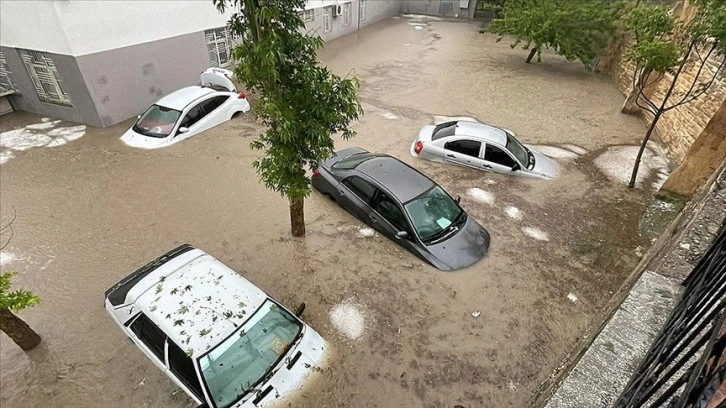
x: 150, y: 334
x: 497, y: 155
x: 443, y: 130
x: 467, y: 147
x: 182, y: 366
x: 353, y: 161
x: 214, y: 103
x: 363, y: 189
x: 390, y: 211
x: 195, y: 114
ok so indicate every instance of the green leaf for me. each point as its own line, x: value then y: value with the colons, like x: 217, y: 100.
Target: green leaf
x: 15, y: 300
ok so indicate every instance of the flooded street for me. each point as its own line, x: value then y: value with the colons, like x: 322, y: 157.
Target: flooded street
x: 92, y: 210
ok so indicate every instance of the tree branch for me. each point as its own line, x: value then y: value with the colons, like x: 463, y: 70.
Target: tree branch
x: 8, y: 228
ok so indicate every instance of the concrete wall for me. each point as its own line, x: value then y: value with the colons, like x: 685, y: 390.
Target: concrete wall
x: 377, y: 10
x: 123, y: 82
x: 445, y: 8
x: 88, y: 27
x: 678, y: 128
x: 26, y: 99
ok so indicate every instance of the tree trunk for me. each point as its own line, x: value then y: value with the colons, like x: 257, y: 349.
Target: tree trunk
x: 630, y: 106
x: 532, y: 53
x: 18, y: 330
x: 634, y: 176
x: 703, y: 158
x: 297, y: 217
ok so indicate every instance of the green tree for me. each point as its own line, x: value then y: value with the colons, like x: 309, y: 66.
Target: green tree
x: 301, y: 103
x: 575, y: 29
x: 663, y: 45
x: 14, y: 301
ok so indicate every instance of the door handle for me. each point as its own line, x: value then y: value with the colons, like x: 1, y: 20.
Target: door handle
x: 486, y: 166
x: 341, y: 192
x: 374, y: 220
x: 451, y: 155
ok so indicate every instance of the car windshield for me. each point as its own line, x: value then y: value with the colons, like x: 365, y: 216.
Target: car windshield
x: 240, y: 362
x: 157, y: 121
x: 518, y: 150
x: 434, y: 213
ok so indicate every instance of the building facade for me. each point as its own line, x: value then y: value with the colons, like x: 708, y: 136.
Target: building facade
x: 102, y: 62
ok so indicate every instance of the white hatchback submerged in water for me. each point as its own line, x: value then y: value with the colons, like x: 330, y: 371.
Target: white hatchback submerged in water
x: 188, y: 111
x: 220, y: 338
x: 482, y: 147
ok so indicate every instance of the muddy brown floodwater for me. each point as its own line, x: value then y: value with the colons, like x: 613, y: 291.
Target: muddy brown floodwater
x: 93, y: 210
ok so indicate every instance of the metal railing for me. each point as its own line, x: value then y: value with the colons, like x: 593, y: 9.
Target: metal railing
x: 681, y: 369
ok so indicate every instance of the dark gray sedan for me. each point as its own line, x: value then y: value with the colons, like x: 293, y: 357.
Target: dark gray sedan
x: 404, y: 205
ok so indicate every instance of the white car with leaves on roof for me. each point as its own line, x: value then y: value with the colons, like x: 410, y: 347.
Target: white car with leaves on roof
x: 220, y: 338
x: 188, y: 111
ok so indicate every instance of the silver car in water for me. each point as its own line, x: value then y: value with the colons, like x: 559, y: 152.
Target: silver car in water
x: 403, y: 205
x: 481, y: 147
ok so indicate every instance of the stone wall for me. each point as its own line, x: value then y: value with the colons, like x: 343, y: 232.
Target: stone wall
x: 678, y: 128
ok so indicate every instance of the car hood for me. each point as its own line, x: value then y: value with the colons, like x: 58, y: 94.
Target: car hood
x: 134, y: 139
x: 462, y: 249
x: 287, y: 382
x: 543, y: 165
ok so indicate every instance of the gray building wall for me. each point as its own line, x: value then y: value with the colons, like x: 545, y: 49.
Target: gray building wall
x: 445, y: 8
x: 375, y: 11
x: 71, y: 79
x: 125, y: 81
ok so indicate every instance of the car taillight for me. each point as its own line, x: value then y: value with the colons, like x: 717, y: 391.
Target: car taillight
x: 242, y: 95
x: 316, y: 172
x: 418, y: 147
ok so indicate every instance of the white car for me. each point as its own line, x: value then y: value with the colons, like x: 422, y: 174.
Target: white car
x: 188, y: 111
x: 216, y: 335
x: 481, y: 147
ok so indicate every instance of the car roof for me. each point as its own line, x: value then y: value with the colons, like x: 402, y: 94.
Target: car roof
x: 401, y: 180
x: 481, y: 131
x: 178, y: 100
x: 199, y: 302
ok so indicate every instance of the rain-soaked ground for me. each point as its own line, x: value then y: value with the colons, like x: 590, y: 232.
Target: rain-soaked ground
x: 91, y: 210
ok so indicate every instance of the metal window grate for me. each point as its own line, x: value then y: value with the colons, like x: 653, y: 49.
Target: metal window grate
x: 6, y: 85
x: 218, y: 46
x: 44, y: 75
x: 327, y: 20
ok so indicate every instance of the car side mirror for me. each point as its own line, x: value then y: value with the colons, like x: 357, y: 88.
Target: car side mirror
x: 300, y: 309
x: 183, y: 129
x: 402, y: 235
x: 458, y: 199
x: 516, y: 167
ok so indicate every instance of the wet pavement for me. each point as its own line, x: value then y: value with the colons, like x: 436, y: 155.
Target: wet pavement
x: 92, y: 210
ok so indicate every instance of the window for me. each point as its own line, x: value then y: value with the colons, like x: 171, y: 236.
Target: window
x: 218, y: 46
x: 443, y: 130
x: 434, y: 213
x: 308, y: 15
x: 5, y: 83
x: 391, y: 212
x: 353, y: 161
x: 182, y: 366
x: 45, y: 77
x: 347, y: 14
x: 497, y: 155
x: 157, y: 121
x: 195, y: 115
x: 362, y: 10
x: 211, y: 104
x: 150, y: 334
x: 327, y: 20
x: 363, y: 189
x: 467, y: 147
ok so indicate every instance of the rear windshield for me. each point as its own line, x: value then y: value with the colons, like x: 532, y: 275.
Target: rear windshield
x: 353, y: 161
x: 443, y: 130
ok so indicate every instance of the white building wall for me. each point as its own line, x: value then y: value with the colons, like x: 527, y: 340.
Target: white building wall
x: 87, y: 27
x: 32, y: 25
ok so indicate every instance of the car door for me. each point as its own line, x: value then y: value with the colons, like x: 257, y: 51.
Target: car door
x: 464, y: 152
x: 183, y: 371
x: 193, y: 120
x: 356, y: 195
x: 389, y: 220
x: 499, y: 160
x: 218, y: 110
x: 150, y: 339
